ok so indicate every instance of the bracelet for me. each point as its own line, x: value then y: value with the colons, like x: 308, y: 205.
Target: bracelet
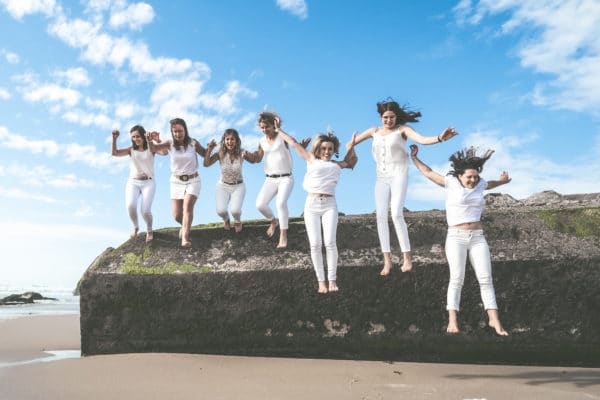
x: 439, y: 140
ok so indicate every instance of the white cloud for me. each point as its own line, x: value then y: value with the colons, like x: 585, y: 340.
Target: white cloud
x: 41, y: 175
x: 97, y: 104
x: 135, y: 16
x: 20, y: 8
x: 19, y: 194
x: 225, y: 101
x: 52, y: 93
x: 74, y: 76
x: 296, y: 7
x: 10, y: 57
x: 126, y: 110
x: 4, y: 94
x: 70, y: 232
x: 84, y: 211
x: 552, y: 44
x: 73, y: 152
x: 85, y: 118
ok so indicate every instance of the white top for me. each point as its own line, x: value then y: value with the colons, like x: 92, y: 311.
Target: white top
x: 278, y: 159
x: 390, y: 153
x: 463, y: 204
x: 141, y: 165
x: 321, y: 177
x: 231, y: 169
x: 184, y: 161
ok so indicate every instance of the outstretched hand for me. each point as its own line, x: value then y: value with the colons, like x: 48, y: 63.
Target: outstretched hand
x: 154, y: 136
x: 304, y: 142
x: 115, y: 134
x: 414, y: 150
x: 448, y: 134
x: 504, y: 178
x: 211, y: 144
x: 352, y: 141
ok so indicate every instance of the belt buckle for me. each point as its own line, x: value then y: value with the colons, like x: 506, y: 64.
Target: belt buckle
x: 184, y: 178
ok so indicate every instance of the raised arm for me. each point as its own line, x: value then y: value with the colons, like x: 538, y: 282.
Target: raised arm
x: 208, y: 158
x: 415, y: 136
x: 118, y: 152
x: 351, y: 158
x: 160, y: 148
x: 425, y: 169
x: 199, y: 148
x: 299, y: 147
x: 362, y: 137
x: 155, y: 139
x: 504, y: 179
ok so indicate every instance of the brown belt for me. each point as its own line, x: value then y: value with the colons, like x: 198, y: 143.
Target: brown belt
x: 277, y: 175
x: 233, y: 183
x: 185, y: 178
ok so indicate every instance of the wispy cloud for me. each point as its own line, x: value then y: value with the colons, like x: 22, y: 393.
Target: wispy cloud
x: 295, y: 7
x: 19, y: 8
x: 19, y: 194
x: 4, y: 94
x: 135, y: 16
x: 74, y: 76
x: 42, y: 176
x: 558, y: 39
x: 10, y: 57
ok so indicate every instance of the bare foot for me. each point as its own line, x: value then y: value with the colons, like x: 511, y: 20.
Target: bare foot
x: 186, y: 243
x: 333, y: 287
x: 272, y: 228
x: 282, y: 239
x: 149, y: 236
x: 133, y: 233
x: 387, y: 267
x: 452, y: 328
x: 237, y: 226
x: 406, y: 266
x: 497, y: 326
x: 226, y: 225
x: 322, y: 287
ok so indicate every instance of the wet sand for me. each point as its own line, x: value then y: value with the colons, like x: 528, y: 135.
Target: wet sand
x: 26, y: 341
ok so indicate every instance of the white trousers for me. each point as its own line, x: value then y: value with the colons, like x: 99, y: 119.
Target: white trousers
x: 391, y: 192
x: 230, y: 196
x: 280, y: 187
x: 322, y: 212
x: 134, y: 189
x: 459, y: 244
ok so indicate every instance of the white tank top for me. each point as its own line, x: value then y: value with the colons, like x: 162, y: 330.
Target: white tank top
x: 463, y: 204
x: 390, y: 153
x: 141, y: 165
x: 321, y: 177
x: 184, y: 161
x: 278, y: 159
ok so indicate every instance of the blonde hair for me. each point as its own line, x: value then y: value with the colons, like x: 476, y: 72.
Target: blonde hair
x: 321, y: 138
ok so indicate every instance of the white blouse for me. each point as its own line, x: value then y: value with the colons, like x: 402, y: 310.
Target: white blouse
x: 390, y: 153
x: 462, y: 204
x: 321, y: 177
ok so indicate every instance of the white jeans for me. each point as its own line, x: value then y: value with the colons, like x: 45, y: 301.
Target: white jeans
x: 230, y: 195
x: 322, y: 211
x: 391, y: 192
x: 133, y: 190
x: 459, y: 243
x: 282, y: 187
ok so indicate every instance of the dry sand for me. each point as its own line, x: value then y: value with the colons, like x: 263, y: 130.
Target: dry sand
x: 188, y: 376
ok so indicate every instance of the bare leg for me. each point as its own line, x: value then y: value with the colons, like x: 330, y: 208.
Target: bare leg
x: 177, y: 206
x: 149, y: 236
x: 134, y: 233
x: 282, y: 239
x: 322, y: 287
x: 226, y: 225
x: 452, y: 322
x: 387, y: 264
x: 407, y: 265
x: 272, y: 227
x: 188, y: 216
x: 494, y: 322
x: 333, y: 287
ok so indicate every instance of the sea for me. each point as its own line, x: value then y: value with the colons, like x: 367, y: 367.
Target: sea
x: 66, y: 302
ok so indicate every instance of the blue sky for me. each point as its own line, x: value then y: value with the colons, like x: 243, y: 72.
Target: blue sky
x: 518, y: 76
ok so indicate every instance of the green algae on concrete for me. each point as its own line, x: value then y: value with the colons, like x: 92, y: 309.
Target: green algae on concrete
x: 580, y: 222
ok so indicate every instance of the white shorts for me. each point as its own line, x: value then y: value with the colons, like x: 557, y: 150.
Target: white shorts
x: 180, y: 188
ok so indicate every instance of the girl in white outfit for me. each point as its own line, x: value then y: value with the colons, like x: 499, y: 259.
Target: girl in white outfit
x: 464, y: 204
x: 230, y: 189
x: 389, y: 151
x: 278, y: 170
x: 320, y: 209
x: 140, y: 183
x: 184, y: 182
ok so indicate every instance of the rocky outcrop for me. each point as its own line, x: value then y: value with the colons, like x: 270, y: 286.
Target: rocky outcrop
x: 237, y: 294
x: 24, y: 298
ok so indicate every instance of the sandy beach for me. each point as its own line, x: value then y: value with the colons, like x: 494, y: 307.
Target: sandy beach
x: 39, y: 360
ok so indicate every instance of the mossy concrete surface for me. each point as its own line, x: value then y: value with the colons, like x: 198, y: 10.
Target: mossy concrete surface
x: 238, y: 294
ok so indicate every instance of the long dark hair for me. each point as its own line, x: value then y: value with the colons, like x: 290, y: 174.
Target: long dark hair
x: 186, y: 139
x: 142, y: 133
x: 403, y: 115
x: 468, y: 159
